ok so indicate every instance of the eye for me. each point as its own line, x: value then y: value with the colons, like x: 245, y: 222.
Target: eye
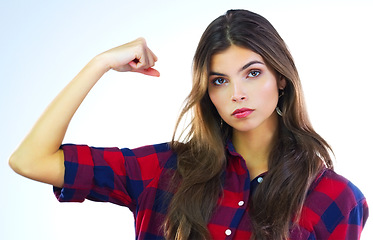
x: 219, y: 81
x: 253, y: 73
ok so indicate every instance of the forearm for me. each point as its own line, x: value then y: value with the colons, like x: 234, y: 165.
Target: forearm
x: 43, y: 141
x: 51, y: 127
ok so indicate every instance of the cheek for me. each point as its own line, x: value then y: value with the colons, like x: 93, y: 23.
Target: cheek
x: 217, y: 99
x: 268, y: 94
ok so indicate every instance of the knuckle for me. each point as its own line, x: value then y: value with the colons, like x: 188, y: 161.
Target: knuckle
x: 142, y: 41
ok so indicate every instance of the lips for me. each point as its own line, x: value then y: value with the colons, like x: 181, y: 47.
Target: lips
x: 242, y: 112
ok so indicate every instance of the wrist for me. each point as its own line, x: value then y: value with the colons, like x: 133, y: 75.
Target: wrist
x: 101, y: 62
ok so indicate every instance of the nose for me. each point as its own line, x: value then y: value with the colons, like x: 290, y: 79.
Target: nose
x: 239, y: 94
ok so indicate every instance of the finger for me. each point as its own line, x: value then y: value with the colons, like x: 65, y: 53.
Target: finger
x: 134, y: 64
x: 151, y: 56
x: 150, y: 59
x: 149, y: 71
x: 140, y: 62
x: 144, y: 61
x: 154, y: 57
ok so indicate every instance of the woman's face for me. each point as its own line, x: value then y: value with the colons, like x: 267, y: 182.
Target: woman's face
x: 243, y: 88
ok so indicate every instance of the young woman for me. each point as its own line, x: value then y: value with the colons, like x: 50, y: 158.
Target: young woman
x: 250, y: 165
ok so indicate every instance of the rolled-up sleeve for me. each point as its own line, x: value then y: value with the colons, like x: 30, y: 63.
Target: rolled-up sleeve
x: 78, y: 162
x: 111, y: 175
x: 97, y: 174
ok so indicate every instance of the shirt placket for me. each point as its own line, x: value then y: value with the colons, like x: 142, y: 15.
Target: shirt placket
x: 230, y: 232
x: 241, y: 204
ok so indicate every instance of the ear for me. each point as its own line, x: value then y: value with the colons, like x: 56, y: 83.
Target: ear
x: 282, y: 83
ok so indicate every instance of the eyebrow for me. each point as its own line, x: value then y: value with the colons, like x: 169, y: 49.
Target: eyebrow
x: 247, y: 65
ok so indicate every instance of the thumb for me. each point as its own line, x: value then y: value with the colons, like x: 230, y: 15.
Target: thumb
x: 149, y: 71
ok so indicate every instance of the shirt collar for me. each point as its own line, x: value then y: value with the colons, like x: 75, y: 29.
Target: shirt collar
x: 230, y: 149
x: 232, y: 152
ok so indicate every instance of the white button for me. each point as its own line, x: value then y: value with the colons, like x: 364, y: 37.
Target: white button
x: 241, y: 203
x: 228, y: 232
x: 260, y: 179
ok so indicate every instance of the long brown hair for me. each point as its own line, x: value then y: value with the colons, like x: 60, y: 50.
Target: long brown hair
x: 298, y: 156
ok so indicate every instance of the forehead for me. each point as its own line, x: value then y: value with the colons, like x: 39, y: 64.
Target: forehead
x: 233, y: 59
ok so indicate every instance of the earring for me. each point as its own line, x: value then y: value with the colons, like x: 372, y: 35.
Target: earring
x: 281, y: 93
x: 278, y: 110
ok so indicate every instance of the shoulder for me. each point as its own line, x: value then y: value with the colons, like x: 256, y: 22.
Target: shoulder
x: 150, y: 158
x: 334, y: 205
x: 335, y: 187
x: 147, y: 150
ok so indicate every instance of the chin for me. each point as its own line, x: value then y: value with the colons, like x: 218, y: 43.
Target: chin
x: 244, y: 127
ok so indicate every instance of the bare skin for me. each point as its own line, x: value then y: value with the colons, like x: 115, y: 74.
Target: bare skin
x: 39, y: 156
x: 240, y: 79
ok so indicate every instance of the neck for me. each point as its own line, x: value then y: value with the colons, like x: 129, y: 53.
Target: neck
x: 255, y: 145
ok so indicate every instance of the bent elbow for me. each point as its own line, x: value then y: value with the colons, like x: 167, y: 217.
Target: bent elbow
x: 49, y: 170
x: 14, y: 163
x: 18, y: 164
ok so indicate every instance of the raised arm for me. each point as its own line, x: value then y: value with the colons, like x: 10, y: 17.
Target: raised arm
x: 38, y: 156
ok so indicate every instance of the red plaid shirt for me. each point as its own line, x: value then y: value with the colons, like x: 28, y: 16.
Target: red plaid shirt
x: 139, y: 178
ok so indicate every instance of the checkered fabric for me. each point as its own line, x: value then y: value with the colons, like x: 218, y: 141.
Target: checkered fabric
x: 139, y: 179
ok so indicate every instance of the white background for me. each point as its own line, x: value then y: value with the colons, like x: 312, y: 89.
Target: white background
x: 44, y: 44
